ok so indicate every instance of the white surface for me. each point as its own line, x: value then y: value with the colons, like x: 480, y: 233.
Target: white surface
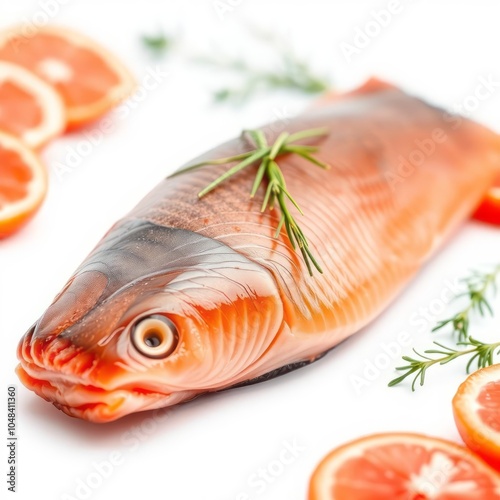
x: 212, y: 448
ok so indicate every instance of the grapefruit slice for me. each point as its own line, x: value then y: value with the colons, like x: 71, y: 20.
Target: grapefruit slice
x: 402, y: 466
x: 476, y: 407
x: 90, y: 79
x: 29, y: 108
x: 489, y: 210
x: 23, y: 184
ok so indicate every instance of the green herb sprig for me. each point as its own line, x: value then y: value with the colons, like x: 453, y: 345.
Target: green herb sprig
x: 157, y: 44
x: 478, y: 286
x: 289, y: 72
x: 479, y: 352
x: 276, y: 191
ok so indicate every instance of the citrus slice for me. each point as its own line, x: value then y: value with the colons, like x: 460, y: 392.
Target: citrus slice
x: 476, y: 407
x: 90, y: 79
x: 23, y: 184
x: 402, y: 466
x: 29, y: 108
x: 489, y: 210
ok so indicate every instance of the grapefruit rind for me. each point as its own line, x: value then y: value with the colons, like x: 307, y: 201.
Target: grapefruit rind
x: 477, y: 435
x: 323, y: 479
x: 79, y: 115
x: 51, y: 104
x: 16, y: 214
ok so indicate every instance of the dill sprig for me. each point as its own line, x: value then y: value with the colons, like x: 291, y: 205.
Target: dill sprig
x: 157, y: 44
x: 276, y: 193
x: 478, y: 286
x: 479, y: 352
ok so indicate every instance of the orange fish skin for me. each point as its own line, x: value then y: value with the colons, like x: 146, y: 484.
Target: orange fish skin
x: 403, y: 176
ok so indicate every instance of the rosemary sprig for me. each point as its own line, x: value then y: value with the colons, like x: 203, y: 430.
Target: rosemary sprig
x: 276, y: 192
x: 294, y: 75
x: 289, y: 72
x: 478, y: 286
x: 479, y: 352
x: 157, y: 44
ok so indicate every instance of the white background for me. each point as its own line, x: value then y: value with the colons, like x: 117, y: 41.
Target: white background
x: 211, y: 448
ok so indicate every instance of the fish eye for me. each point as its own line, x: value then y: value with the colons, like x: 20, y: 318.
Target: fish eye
x: 154, y: 336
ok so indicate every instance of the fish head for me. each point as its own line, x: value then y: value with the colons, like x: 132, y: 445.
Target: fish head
x: 151, y: 319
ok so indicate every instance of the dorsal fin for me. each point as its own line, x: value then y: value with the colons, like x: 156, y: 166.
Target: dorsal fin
x: 371, y: 86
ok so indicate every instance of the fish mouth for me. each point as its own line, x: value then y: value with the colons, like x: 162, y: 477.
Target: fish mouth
x: 87, y: 401
x: 62, y: 373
